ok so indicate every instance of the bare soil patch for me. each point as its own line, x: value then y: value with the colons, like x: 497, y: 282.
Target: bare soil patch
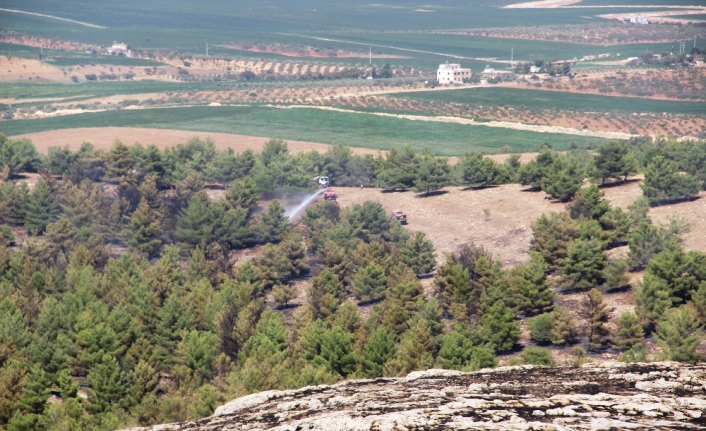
x: 456, y: 218
x: 542, y: 4
x: 104, y: 137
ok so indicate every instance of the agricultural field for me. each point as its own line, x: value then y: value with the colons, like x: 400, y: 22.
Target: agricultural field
x: 540, y: 99
x: 356, y: 129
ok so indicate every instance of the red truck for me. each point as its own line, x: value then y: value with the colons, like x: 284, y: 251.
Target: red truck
x: 330, y: 195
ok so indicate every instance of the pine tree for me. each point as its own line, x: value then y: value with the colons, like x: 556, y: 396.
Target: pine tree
x: 85, y: 204
x: 369, y: 284
x: 614, y: 160
x: 417, y: 348
x: 664, y: 183
x: 541, y: 328
x: 456, y: 349
x: 143, y: 381
x: 598, y: 315
x: 283, y: 293
x: 324, y: 294
x: 41, y: 208
x: 432, y: 173
x: 119, y: 162
x: 698, y: 301
x: 336, y: 353
x: 529, y: 282
x: 653, y: 299
x: 145, y: 229
x: 615, y: 275
x: 477, y: 171
x: 564, y: 329
x: 551, y: 237
x: 231, y: 227
x: 34, y: 392
x: 195, y: 223
x: 584, y: 264
x: 589, y: 204
x: 13, y: 202
x: 109, y: 385
x: 563, y: 179
x: 378, y: 351
x: 333, y: 256
x: 455, y: 289
x: 629, y: 332
x: 646, y: 241
x: 418, y: 254
x: 274, y: 222
x: 501, y: 327
x: 679, y: 334
x: 243, y: 194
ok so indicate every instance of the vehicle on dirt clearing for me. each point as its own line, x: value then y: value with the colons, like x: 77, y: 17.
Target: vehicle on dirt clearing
x: 322, y: 181
x: 330, y: 195
x: 399, y: 216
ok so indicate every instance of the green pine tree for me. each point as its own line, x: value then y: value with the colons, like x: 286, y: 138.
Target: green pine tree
x: 109, y: 385
x: 679, y: 334
x: 195, y: 223
x: 41, y: 208
x: 418, y: 254
x: 119, y: 162
x: 538, y: 356
x: 378, y: 351
x: 663, y: 182
x: 35, y: 391
x: 243, y: 194
x: 145, y: 229
x: 614, y: 160
x: 629, y: 332
x: 274, y: 222
x: 584, y: 264
x: 369, y: 284
x: 534, y: 294
x: 551, y: 237
x: 477, y: 171
x: 589, y: 204
x: 541, y: 328
x: 501, y: 327
x: 563, y: 179
x: 417, y: 348
x: 432, y: 173
x: 336, y: 353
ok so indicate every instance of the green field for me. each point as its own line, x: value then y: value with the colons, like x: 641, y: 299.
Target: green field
x: 100, y: 89
x: 358, y: 130
x: 183, y: 25
x: 555, y: 100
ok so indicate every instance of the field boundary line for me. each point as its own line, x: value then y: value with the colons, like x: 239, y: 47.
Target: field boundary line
x: 87, y: 24
x: 471, y: 122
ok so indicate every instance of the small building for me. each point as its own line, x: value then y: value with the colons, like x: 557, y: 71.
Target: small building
x: 535, y: 69
x: 452, y: 74
x: 118, y: 49
x: 637, y: 19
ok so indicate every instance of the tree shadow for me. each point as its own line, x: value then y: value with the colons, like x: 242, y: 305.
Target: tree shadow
x: 531, y: 190
x: 619, y: 183
x: 674, y: 201
x: 490, y: 186
x: 394, y: 190
x: 430, y: 194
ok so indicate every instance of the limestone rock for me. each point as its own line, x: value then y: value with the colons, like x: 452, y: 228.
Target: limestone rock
x: 596, y: 396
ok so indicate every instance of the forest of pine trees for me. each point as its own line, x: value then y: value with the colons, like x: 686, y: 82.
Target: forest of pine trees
x: 122, y: 297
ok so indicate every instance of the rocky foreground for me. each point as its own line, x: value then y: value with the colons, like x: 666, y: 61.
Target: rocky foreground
x: 596, y: 396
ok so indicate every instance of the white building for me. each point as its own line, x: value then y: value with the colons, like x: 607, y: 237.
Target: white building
x: 452, y: 74
x: 639, y: 19
x: 118, y: 49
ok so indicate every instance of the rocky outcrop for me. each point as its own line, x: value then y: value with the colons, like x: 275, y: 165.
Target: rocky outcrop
x: 596, y: 396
